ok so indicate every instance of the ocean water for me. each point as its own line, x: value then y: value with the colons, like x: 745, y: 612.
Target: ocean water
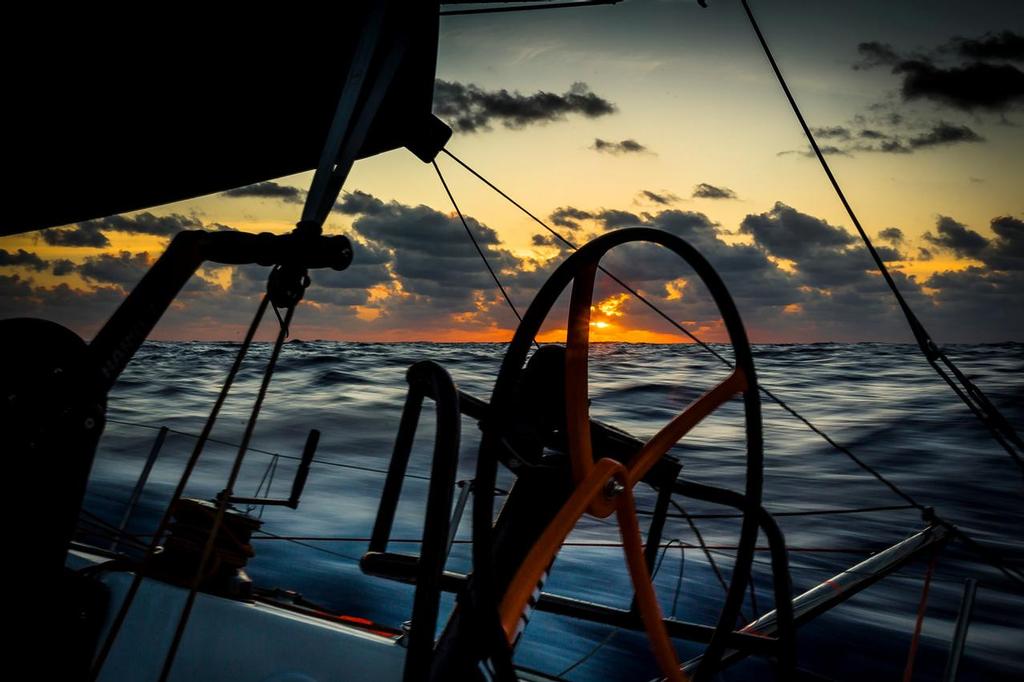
x: 882, y: 401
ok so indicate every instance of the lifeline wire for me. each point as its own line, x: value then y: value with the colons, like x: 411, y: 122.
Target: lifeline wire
x: 970, y: 394
x: 987, y: 554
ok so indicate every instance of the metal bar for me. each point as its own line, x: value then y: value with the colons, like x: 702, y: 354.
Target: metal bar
x: 355, y: 82
x: 433, y: 551
x: 161, y: 436
x: 402, y: 568
x: 782, y: 585
x: 963, y: 621
x: 839, y: 588
x: 465, y: 487
x: 396, y: 470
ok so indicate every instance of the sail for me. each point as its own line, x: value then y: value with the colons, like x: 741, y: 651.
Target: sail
x: 105, y: 115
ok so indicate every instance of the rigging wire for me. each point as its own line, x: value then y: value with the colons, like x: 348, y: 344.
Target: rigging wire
x: 981, y: 550
x: 476, y: 244
x: 526, y: 8
x: 972, y: 396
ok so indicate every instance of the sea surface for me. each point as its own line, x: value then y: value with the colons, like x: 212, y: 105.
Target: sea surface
x: 881, y: 401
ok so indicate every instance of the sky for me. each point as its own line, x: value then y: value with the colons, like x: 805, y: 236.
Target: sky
x: 655, y: 113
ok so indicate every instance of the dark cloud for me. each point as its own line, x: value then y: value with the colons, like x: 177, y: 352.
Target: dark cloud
x: 470, y: 108
x: 826, y: 149
x: 62, y: 267
x: 902, y: 138
x: 621, y: 147
x: 979, y: 303
x: 1006, y: 251
x: 1003, y: 252
x: 86, y: 235
x: 874, y: 54
x: 23, y: 258
x: 971, y: 86
x: 613, y: 218
x: 357, y: 202
x: 892, y: 235
x: 269, y: 190
x: 956, y: 237
x: 978, y: 85
x: 1006, y: 45
x: 12, y: 287
x: 786, y: 233
x: 145, y: 223
x: 124, y: 269
x: 943, y: 134
x: 663, y: 198
x: 706, y: 191
x: 431, y: 255
x: 832, y: 133
x: 569, y: 217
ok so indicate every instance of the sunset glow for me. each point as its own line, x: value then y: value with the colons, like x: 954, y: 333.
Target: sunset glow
x: 643, y: 129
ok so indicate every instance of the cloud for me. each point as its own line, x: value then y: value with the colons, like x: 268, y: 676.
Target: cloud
x: 431, y: 257
x: 22, y: 258
x: 943, y: 134
x: 1006, y: 252
x: 62, y: 267
x: 892, y: 235
x: 86, y: 235
x: 415, y: 275
x: 970, y: 86
x: 826, y: 149
x: 1003, y: 252
x: 621, y: 147
x: 613, y: 218
x: 786, y: 233
x: 874, y: 54
x: 269, y: 190
x: 469, y: 108
x: 978, y: 85
x: 823, y: 256
x: 706, y: 191
x: 145, y: 223
x: 956, y: 237
x: 1006, y: 45
x: 123, y: 269
x: 902, y: 137
x: 357, y: 202
x: 569, y: 217
x: 832, y: 133
x: 663, y: 198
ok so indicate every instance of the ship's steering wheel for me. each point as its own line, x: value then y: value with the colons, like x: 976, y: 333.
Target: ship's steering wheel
x: 605, y: 485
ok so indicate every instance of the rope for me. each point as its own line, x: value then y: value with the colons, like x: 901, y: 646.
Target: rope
x: 908, y: 672
x: 970, y: 394
x: 165, y: 520
x: 225, y: 498
x: 985, y: 553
